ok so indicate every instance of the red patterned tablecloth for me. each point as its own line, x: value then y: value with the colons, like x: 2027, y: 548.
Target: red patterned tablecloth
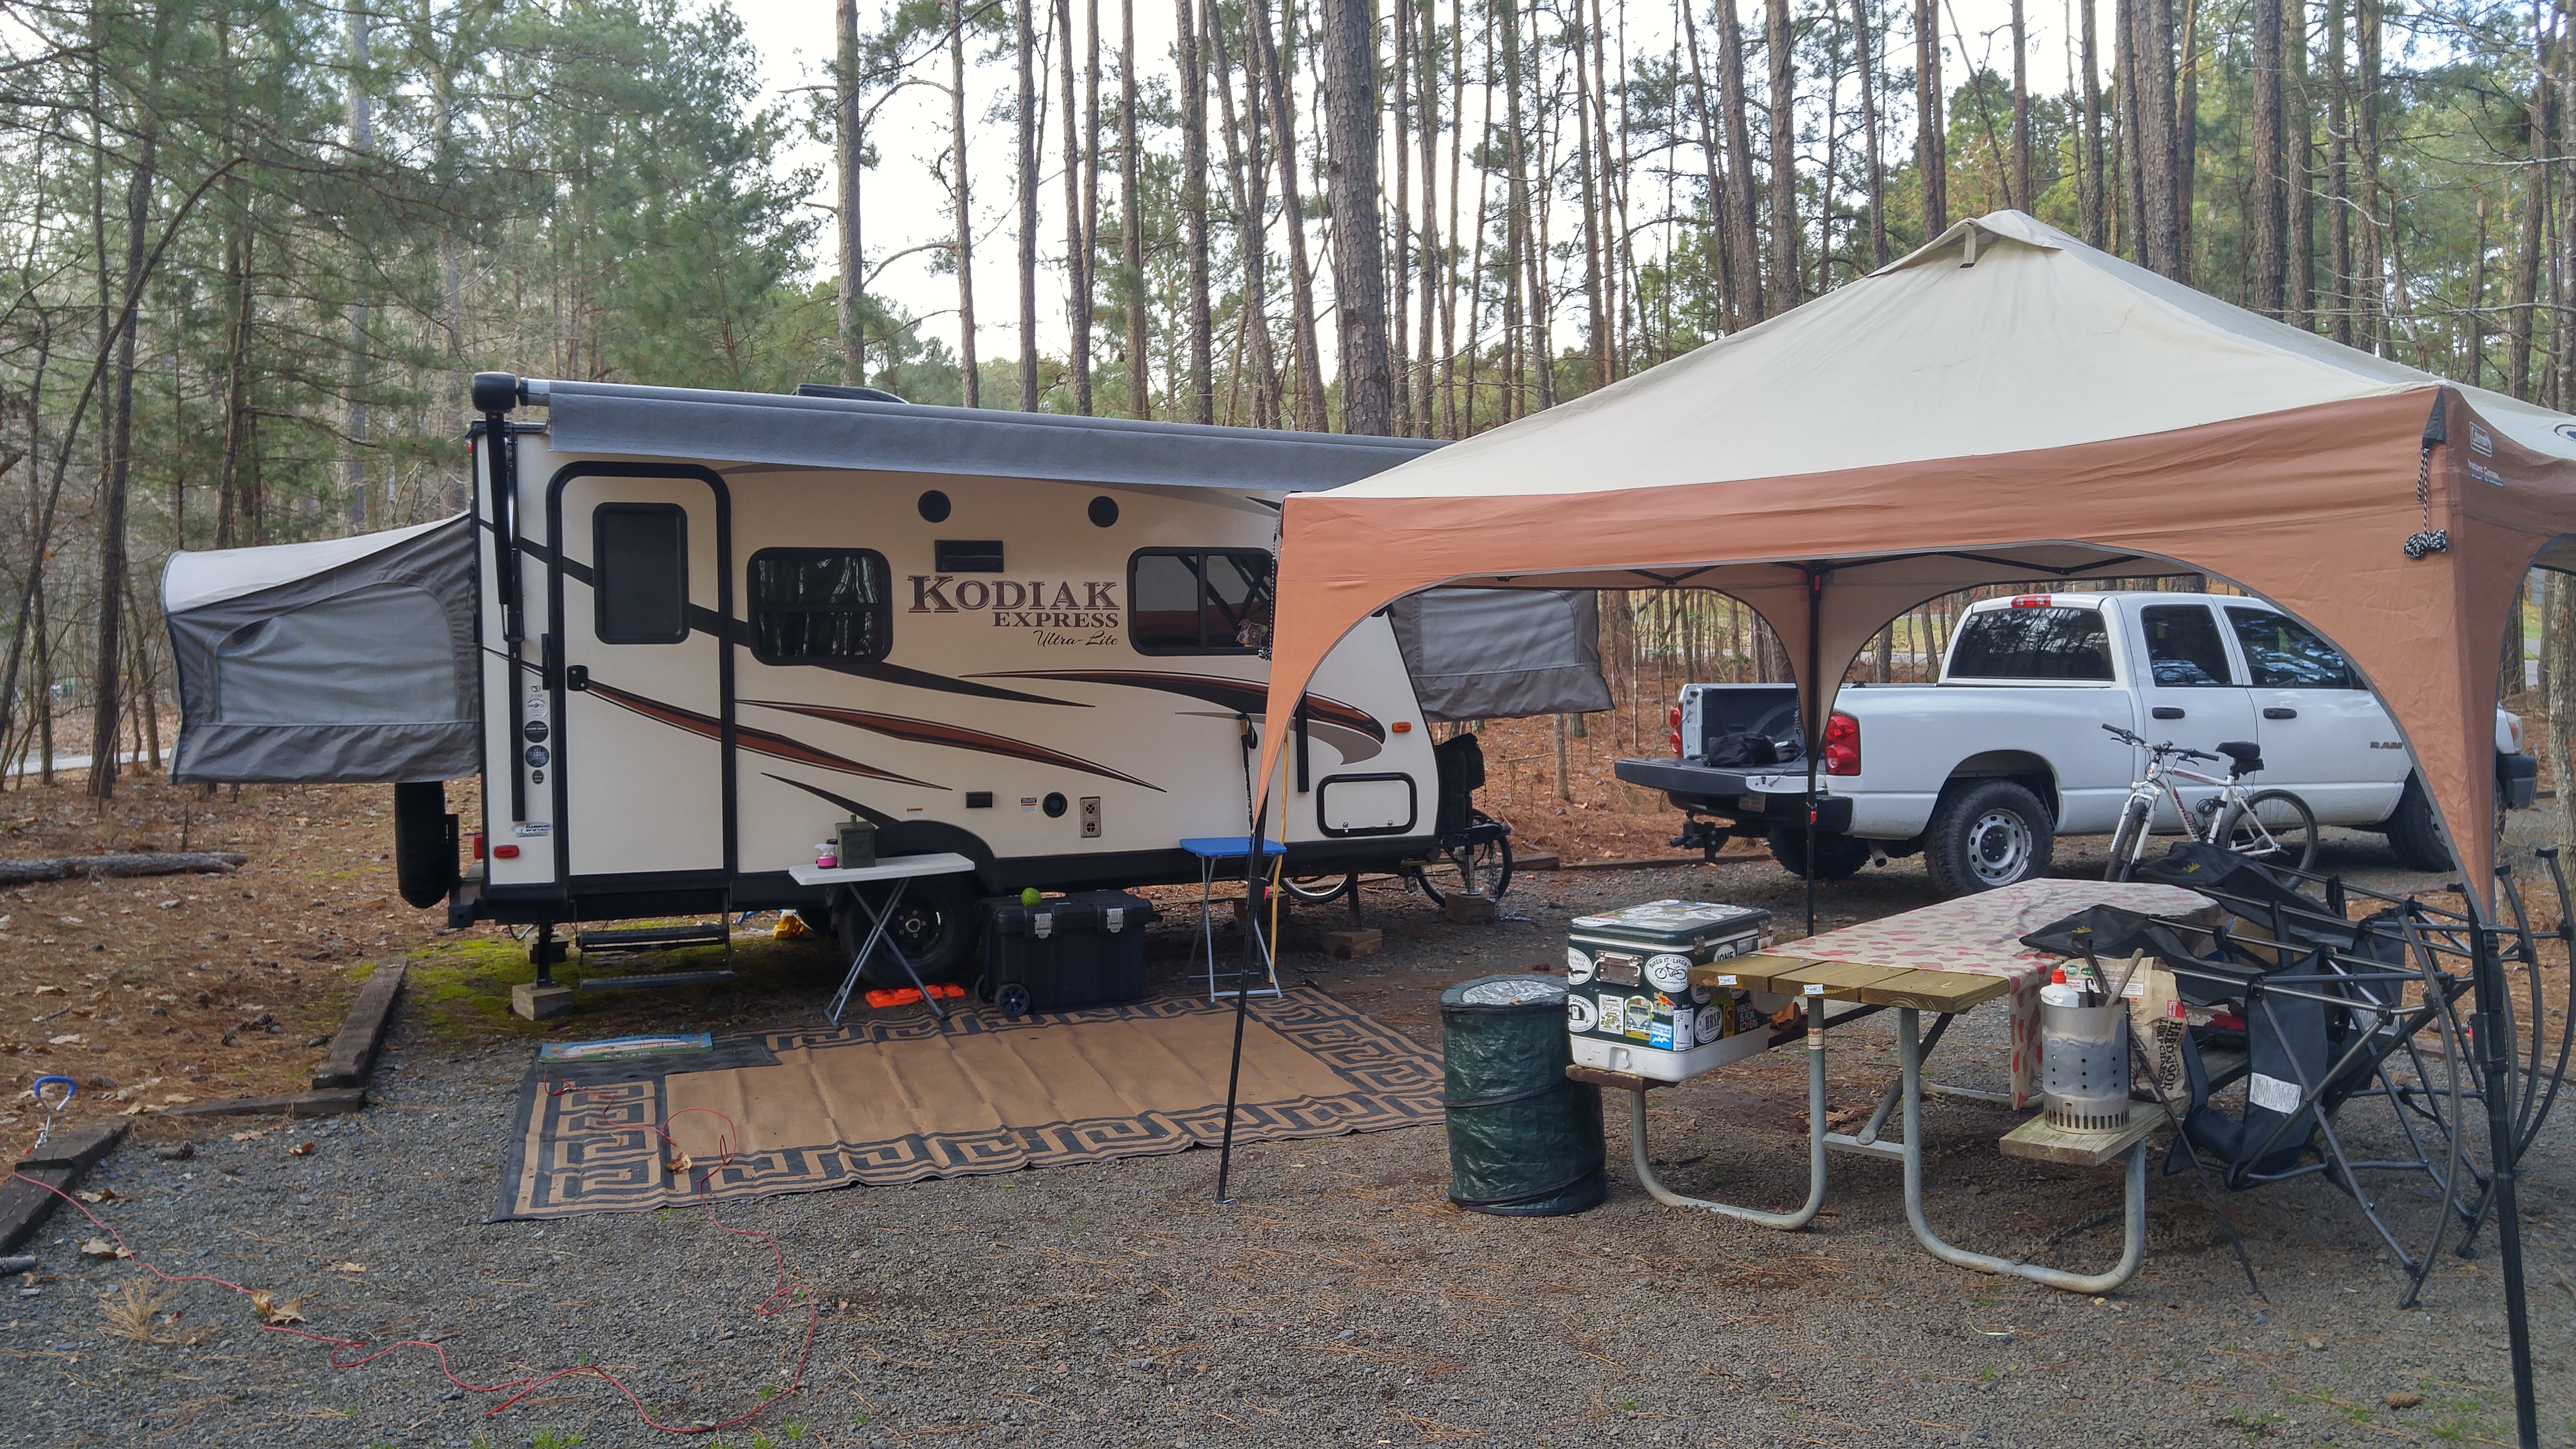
x: 1981, y: 935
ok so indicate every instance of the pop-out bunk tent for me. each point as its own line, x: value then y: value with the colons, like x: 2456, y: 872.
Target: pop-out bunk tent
x: 2003, y: 405
x: 345, y: 661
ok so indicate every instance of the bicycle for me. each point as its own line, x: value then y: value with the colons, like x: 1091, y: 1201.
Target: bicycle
x: 2268, y: 825
x: 1474, y: 858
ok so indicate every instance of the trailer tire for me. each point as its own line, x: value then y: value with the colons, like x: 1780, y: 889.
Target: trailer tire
x: 1987, y: 834
x: 937, y: 926
x: 424, y: 843
x: 1838, y: 857
x: 2412, y: 832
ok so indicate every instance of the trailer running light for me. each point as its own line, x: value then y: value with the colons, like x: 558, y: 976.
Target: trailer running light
x: 1402, y: 726
x: 1842, y: 744
x: 505, y: 852
x: 2031, y: 601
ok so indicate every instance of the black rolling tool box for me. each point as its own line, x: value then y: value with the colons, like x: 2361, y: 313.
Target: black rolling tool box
x: 1086, y: 948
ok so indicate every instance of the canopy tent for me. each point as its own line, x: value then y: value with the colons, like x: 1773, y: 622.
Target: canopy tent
x: 2004, y: 404
x: 2007, y: 404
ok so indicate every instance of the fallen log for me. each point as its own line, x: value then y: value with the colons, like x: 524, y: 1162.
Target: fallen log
x: 73, y: 867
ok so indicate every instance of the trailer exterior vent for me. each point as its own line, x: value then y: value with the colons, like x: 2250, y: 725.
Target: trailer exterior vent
x: 968, y: 555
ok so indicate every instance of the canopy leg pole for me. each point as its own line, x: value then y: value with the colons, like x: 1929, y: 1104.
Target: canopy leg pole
x: 1815, y: 721
x: 2496, y: 1047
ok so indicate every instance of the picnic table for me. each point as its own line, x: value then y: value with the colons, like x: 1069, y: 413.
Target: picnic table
x: 1947, y: 959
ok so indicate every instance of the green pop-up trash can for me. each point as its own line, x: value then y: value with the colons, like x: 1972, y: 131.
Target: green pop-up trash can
x: 1523, y: 1140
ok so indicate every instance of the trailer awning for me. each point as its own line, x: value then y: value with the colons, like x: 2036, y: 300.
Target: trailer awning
x: 820, y: 432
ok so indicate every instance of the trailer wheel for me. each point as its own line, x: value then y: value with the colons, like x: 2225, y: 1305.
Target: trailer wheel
x: 935, y: 926
x: 1985, y: 834
x: 424, y: 843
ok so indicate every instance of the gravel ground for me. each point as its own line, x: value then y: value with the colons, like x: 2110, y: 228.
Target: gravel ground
x: 1341, y: 1300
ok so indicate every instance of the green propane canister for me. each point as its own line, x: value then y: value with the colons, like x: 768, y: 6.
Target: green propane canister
x: 858, y: 844
x: 1632, y: 1007
x: 1524, y: 1140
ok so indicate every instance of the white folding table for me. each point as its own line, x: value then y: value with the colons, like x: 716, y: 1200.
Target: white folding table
x: 899, y: 871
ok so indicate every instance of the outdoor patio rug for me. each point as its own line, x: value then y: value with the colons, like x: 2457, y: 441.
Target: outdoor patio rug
x: 902, y: 1098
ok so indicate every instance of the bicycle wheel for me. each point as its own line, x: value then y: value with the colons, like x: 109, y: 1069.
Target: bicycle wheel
x: 2273, y: 826
x: 2128, y: 841
x: 1315, y: 890
x: 1485, y: 867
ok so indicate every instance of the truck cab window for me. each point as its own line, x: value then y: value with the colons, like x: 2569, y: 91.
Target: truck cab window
x: 2033, y: 643
x: 640, y: 573
x: 2281, y: 653
x: 1198, y: 601
x: 819, y: 606
x: 2183, y: 647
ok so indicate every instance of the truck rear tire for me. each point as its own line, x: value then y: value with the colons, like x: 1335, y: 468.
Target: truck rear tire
x: 1986, y: 834
x: 2412, y: 833
x: 1838, y: 857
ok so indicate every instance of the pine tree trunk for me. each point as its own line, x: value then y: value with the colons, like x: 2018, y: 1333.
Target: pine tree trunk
x: 1785, y: 233
x: 1744, y: 247
x: 1721, y: 202
x: 1427, y: 105
x: 2266, y: 225
x: 1597, y: 315
x: 1131, y: 216
x: 1077, y: 236
x: 361, y: 503
x: 1865, y: 55
x: 2128, y: 137
x: 2152, y: 60
x: 1516, y: 213
x: 1248, y: 182
x: 118, y: 469
x: 1450, y: 422
x: 2090, y: 199
x: 2298, y: 215
x: 847, y: 149
x: 963, y: 253
x: 2022, y: 196
x: 2523, y: 288
x: 237, y: 407
x: 1931, y: 144
x: 1301, y: 276
x: 1025, y: 43
x: 1399, y: 224
x: 1194, y: 213
x: 2339, y: 291
x: 2187, y: 143
x: 2370, y: 292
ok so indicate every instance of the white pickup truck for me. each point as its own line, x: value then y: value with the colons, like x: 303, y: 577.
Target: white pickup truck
x: 1982, y: 772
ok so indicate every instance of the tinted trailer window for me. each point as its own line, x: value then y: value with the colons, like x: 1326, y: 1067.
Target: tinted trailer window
x: 2033, y: 643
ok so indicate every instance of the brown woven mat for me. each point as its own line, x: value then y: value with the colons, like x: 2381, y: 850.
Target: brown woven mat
x: 897, y: 1099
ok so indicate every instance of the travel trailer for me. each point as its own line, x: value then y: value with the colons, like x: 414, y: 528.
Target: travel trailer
x: 683, y: 636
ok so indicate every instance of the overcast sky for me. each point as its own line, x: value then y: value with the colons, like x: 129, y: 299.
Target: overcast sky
x: 904, y: 206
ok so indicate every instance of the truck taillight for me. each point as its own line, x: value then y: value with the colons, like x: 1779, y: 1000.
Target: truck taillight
x: 1673, y: 722
x: 477, y: 837
x: 1842, y: 744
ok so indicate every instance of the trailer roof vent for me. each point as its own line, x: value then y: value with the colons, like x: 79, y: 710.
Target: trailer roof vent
x: 968, y: 555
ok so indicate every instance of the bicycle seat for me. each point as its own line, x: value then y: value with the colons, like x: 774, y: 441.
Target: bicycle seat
x: 2247, y: 755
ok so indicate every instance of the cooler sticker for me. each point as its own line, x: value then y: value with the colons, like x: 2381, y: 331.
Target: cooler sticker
x: 1578, y: 967
x: 1749, y: 1017
x: 1641, y: 1018
x: 1724, y: 950
x: 1668, y: 973
x: 1579, y: 1014
x: 1660, y: 1034
x: 1701, y: 994
x: 1684, y: 1020
x: 1614, y: 1015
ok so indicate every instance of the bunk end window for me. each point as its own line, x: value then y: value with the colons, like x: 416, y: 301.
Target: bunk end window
x: 1198, y: 600
x: 640, y: 573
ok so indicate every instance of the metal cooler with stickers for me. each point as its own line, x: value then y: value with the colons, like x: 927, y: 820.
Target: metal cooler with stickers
x: 1631, y: 1006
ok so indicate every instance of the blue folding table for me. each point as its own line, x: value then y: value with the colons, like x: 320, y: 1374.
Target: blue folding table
x: 1212, y: 850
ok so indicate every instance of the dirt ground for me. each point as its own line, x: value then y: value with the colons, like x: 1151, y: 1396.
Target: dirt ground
x: 1342, y: 1299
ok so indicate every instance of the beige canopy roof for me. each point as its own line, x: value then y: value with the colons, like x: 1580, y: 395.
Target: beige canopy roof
x: 2005, y: 404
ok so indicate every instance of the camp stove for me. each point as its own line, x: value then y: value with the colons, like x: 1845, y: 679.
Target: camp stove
x: 1632, y: 1007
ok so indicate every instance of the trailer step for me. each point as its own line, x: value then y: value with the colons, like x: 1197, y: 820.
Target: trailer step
x: 654, y: 938
x: 666, y: 978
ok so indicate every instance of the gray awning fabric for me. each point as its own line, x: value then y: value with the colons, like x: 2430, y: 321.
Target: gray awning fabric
x: 328, y: 663
x: 743, y: 427
x: 1502, y: 653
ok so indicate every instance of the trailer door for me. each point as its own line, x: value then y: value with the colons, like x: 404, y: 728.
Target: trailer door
x: 644, y: 694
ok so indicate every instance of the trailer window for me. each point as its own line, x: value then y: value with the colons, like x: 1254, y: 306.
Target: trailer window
x: 2183, y: 649
x: 819, y: 606
x: 640, y: 573
x: 1198, y: 601
x: 2281, y: 654
x: 2033, y: 643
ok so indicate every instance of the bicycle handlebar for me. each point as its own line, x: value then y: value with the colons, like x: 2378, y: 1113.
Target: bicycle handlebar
x: 2167, y: 748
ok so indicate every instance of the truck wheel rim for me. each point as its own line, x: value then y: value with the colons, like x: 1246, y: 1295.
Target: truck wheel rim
x: 1999, y: 848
